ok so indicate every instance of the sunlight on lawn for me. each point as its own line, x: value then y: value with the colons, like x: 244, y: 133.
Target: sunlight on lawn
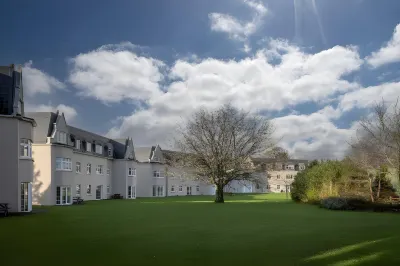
x: 360, y: 260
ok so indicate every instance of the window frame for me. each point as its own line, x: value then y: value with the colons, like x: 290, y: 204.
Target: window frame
x: 78, y: 194
x: 88, y: 168
x: 88, y: 147
x: 89, y: 190
x: 25, y: 145
x: 78, y: 165
x: 62, y: 137
x: 131, y: 171
x: 172, y: 189
x: 99, y: 149
x: 65, y: 164
x: 108, y: 171
x: 99, y: 169
x: 78, y: 144
x: 180, y: 188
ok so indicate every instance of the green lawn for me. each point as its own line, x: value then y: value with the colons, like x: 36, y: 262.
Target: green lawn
x: 247, y: 230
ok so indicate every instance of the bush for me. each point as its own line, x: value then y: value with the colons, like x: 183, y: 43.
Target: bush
x: 116, y: 196
x: 357, y: 204
x: 336, y: 203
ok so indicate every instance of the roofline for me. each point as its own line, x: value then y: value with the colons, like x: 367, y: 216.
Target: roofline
x: 22, y: 118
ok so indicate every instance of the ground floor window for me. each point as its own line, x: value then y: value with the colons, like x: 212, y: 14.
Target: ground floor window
x: 172, y: 189
x: 131, y: 192
x: 78, y: 190
x: 198, y: 188
x: 63, y: 196
x: 26, y: 197
x: 158, y: 191
x: 108, y: 189
x: 99, y: 192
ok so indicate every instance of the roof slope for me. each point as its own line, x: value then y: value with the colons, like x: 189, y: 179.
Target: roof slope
x: 44, y: 125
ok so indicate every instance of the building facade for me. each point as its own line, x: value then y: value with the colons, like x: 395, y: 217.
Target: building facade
x: 16, y: 134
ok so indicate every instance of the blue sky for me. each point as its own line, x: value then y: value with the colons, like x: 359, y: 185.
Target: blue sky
x: 138, y: 67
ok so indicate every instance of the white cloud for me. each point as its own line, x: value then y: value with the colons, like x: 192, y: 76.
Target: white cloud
x: 113, y: 73
x: 237, y: 29
x: 253, y: 83
x: 36, y: 81
x: 390, y: 53
x: 69, y: 112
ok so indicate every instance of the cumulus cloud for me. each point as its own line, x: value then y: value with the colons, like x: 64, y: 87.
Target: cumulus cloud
x: 237, y: 29
x: 114, y: 73
x: 389, y: 53
x: 69, y: 112
x: 36, y: 81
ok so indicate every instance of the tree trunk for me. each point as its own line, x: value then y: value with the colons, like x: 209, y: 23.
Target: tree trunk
x: 379, y: 189
x: 370, y: 190
x: 219, y: 194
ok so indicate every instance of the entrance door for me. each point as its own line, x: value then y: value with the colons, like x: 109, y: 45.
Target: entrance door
x: 63, y: 196
x: 26, y: 197
x: 99, y: 190
x: 188, y: 190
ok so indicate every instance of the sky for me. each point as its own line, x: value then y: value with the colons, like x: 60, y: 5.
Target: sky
x: 140, y: 68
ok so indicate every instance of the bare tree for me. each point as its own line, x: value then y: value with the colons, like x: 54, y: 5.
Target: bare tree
x: 278, y: 153
x: 218, y: 145
x: 382, y: 133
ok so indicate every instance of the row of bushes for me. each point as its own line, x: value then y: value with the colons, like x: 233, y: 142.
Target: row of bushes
x: 357, y: 204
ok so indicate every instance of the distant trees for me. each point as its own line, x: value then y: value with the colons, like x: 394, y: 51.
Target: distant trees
x: 218, y: 145
x: 278, y: 153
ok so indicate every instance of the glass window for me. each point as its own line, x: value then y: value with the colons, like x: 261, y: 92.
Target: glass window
x: 129, y: 192
x: 131, y: 171
x: 172, y: 189
x: 278, y: 186
x: 197, y: 188
x: 78, y: 144
x: 278, y: 177
x: 24, y: 197
x: 180, y: 189
x: 78, y: 167
x: 78, y: 190
x: 99, y: 149
x: 89, y: 189
x: 25, y: 148
x: 108, y: 171
x: 63, y: 164
x: 108, y: 189
x: 158, y: 174
x: 62, y: 137
x: 88, y: 169
x: 99, y: 170
x: 88, y: 146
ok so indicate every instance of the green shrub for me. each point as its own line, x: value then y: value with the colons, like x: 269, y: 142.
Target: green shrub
x: 357, y: 204
x: 335, y: 203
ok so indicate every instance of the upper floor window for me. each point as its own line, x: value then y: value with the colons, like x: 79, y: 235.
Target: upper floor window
x: 108, y: 171
x: 155, y: 159
x: 62, y: 137
x: 278, y: 176
x: 99, y: 149
x: 109, y: 152
x: 172, y: 189
x: 289, y: 176
x: 25, y: 148
x: 78, y: 167
x: 88, y: 146
x: 99, y: 170
x: 78, y: 144
x: 302, y: 167
x: 88, y: 169
x: 158, y: 174
x: 131, y: 171
x: 63, y: 164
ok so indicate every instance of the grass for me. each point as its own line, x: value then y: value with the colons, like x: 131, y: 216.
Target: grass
x: 247, y: 230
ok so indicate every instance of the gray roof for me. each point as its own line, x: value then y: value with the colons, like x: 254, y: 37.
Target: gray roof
x: 119, y: 148
x: 44, y: 125
x: 273, y: 160
x: 81, y: 134
x: 143, y: 154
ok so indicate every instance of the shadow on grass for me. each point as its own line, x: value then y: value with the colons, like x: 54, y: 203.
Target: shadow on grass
x: 364, y: 253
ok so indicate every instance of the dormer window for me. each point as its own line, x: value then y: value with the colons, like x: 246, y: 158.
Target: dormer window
x: 109, y: 152
x: 99, y: 149
x: 155, y: 159
x: 88, y: 147
x: 78, y: 144
x: 61, y: 137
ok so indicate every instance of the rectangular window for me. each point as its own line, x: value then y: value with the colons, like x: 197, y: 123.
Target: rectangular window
x: 108, y: 171
x: 78, y: 167
x: 108, y: 189
x: 109, y: 152
x: 63, y: 164
x: 88, y: 146
x: 88, y: 169
x: 159, y: 174
x: 99, y: 170
x: 131, y: 171
x: 78, y: 190
x: 25, y: 148
x: 78, y: 144
x: 180, y: 189
x: 172, y: 189
x: 278, y: 186
x: 89, y: 189
x: 198, y: 188
x: 63, y: 196
x: 62, y: 137
x: 278, y: 176
x: 155, y: 159
x: 158, y: 191
x: 99, y: 149
x: 25, y: 199
x: 131, y: 192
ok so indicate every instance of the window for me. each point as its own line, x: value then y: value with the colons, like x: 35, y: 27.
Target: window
x: 78, y: 190
x: 131, y: 192
x: 62, y: 137
x: 26, y: 206
x: 88, y: 147
x: 108, y: 171
x: 131, y: 171
x: 108, y: 189
x: 172, y: 189
x: 63, y: 196
x: 78, y: 144
x: 63, y: 164
x: 278, y: 176
x: 88, y: 169
x: 25, y: 148
x: 268, y: 187
x: 180, y: 189
x: 109, y: 152
x: 99, y: 170
x: 78, y: 167
x: 158, y: 191
x: 155, y: 159
x: 99, y: 149
x: 89, y: 189
x: 198, y: 188
x: 269, y: 176
x: 278, y: 186
x: 158, y: 174
x: 289, y: 176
